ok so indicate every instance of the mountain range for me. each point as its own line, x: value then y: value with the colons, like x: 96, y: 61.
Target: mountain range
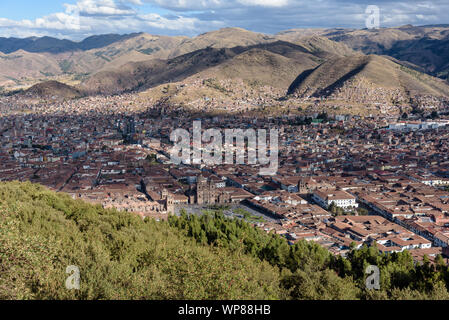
x: 275, y: 63
x: 425, y: 47
x: 390, y: 65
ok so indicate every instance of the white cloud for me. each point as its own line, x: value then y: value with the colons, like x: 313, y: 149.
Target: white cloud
x: 58, y: 22
x: 88, y: 17
x: 189, y: 17
x: 100, y: 7
x: 264, y: 3
x: 189, y: 5
x: 137, y: 2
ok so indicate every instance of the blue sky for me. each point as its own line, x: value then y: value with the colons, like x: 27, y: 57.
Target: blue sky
x: 33, y: 9
x: 76, y: 19
x: 27, y: 9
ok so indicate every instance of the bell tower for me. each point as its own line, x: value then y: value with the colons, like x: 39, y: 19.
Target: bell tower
x: 169, y: 200
x: 201, y: 187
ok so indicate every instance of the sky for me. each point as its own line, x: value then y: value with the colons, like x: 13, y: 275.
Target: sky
x: 77, y: 19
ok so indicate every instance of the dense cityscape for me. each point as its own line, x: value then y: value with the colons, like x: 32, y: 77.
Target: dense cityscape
x: 342, y: 182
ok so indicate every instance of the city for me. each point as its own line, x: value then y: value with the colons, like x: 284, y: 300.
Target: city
x: 223, y: 159
x: 342, y: 183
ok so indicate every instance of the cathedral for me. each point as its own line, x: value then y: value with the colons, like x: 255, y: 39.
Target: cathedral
x: 208, y: 193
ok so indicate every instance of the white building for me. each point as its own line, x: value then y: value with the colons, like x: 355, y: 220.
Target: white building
x: 417, y: 125
x: 410, y: 243
x: 341, y: 199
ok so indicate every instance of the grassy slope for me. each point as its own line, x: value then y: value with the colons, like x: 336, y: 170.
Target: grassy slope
x: 119, y: 255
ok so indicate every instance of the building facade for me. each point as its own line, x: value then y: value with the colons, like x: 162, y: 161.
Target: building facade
x: 208, y: 193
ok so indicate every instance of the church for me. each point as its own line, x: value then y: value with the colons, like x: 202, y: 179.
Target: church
x: 208, y: 193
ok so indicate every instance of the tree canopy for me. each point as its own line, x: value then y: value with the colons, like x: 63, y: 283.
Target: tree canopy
x: 122, y: 256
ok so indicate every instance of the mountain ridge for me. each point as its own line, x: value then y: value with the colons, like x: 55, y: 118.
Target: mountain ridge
x: 370, y: 78
x: 282, y: 62
x: 154, y: 72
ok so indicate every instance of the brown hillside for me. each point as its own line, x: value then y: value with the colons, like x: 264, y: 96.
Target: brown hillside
x: 273, y: 64
x: 367, y: 79
x: 54, y: 89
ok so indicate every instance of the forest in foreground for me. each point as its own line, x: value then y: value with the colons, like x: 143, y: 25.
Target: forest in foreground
x: 121, y: 256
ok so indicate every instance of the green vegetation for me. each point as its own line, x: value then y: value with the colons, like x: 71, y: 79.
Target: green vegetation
x: 122, y: 256
x: 217, y: 207
x: 80, y: 76
x: 416, y: 110
x: 100, y: 54
x: 434, y: 115
x: 323, y: 116
x: 336, y: 211
x: 149, y: 51
x: 66, y: 65
x: 248, y: 216
x: 152, y: 159
x: 362, y: 211
x: 214, y: 84
x: 308, y: 271
x: 166, y: 89
x: 47, y: 74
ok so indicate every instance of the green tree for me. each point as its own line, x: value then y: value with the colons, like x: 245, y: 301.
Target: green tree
x: 434, y: 115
